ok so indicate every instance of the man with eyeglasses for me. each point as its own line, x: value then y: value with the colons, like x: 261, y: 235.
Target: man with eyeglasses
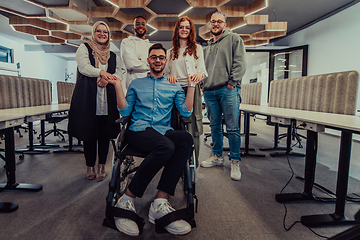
x: 226, y: 65
x: 150, y: 101
x: 134, y: 51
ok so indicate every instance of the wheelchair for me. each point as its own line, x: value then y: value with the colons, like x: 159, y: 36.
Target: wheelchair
x: 123, y: 166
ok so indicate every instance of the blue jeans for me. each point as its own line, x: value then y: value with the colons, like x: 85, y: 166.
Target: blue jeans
x: 226, y: 102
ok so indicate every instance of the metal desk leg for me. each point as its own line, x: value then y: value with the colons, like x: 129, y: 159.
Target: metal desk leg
x: 247, y: 139
x: 70, y: 148
x: 10, y: 166
x: 310, y: 164
x: 338, y: 217
x: 31, y: 149
x: 288, y: 146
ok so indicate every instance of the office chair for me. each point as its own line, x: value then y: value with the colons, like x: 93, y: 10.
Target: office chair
x: 53, y: 118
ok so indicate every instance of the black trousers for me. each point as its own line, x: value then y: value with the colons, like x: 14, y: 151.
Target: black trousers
x: 170, y: 151
x: 99, y: 144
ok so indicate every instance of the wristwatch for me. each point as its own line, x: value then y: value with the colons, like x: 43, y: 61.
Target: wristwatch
x: 192, y: 85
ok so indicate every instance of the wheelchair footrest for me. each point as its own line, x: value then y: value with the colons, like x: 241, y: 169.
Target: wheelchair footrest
x: 186, y: 214
x: 112, y: 212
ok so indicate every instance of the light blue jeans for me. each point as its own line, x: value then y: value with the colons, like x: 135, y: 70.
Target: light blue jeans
x: 224, y: 101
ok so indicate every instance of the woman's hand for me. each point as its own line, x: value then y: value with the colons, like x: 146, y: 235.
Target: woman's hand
x: 172, y: 79
x: 197, y: 77
x: 106, y: 75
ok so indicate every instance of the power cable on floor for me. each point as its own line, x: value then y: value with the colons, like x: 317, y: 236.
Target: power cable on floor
x: 284, y: 220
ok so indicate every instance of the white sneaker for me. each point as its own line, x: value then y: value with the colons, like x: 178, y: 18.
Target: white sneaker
x: 213, y: 161
x: 125, y: 225
x: 235, y: 173
x: 179, y: 227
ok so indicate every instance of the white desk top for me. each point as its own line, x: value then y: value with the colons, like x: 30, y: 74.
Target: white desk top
x: 341, y: 121
x: 15, y: 116
x: 30, y: 111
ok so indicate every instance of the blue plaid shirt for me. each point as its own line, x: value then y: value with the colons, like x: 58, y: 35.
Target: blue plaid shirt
x: 151, y: 100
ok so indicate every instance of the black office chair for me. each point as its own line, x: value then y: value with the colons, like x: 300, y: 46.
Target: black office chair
x: 123, y: 167
x: 53, y: 118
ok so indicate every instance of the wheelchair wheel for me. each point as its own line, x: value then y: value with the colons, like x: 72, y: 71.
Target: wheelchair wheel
x: 124, y: 179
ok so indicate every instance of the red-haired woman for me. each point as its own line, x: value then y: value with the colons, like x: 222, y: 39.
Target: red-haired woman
x: 186, y: 60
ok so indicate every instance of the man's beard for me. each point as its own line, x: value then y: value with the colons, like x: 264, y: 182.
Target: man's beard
x: 217, y: 33
x: 157, y: 71
x: 140, y: 35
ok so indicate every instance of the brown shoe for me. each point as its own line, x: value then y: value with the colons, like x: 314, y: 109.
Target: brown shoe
x: 100, y: 175
x: 90, y: 173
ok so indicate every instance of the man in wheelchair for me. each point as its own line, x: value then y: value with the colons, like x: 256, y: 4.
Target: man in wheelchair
x: 150, y: 101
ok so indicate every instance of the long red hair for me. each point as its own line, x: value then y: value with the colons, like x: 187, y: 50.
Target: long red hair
x: 191, y: 43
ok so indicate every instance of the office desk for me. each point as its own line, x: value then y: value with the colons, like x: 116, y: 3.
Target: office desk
x: 315, y: 122
x: 13, y: 117
x: 33, y: 114
x: 280, y: 115
x: 7, y: 124
x: 347, y: 124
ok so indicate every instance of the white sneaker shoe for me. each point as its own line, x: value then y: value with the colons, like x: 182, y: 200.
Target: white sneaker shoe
x: 179, y: 227
x: 125, y: 225
x: 235, y: 173
x: 213, y: 161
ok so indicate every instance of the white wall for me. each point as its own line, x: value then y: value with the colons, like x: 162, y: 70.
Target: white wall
x: 334, y: 43
x: 334, y: 46
x: 35, y: 64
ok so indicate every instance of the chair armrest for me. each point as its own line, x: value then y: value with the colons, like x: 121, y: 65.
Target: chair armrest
x: 122, y: 120
x: 185, y: 120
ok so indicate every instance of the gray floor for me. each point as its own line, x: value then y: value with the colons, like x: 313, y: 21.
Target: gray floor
x: 72, y: 207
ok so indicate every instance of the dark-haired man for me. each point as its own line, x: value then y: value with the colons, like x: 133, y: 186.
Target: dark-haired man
x: 150, y: 100
x: 134, y: 51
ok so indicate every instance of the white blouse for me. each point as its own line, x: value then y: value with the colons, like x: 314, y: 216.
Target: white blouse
x: 85, y: 68
x: 185, y: 66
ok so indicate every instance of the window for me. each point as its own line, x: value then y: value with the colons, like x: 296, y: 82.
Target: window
x: 6, y: 55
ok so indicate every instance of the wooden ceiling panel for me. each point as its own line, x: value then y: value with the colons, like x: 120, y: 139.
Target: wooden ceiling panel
x: 67, y: 21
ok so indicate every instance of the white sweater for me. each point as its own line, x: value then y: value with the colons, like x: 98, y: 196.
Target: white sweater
x: 134, y: 53
x: 184, y: 67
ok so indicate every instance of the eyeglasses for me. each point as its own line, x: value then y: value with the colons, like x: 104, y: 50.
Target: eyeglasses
x: 154, y: 57
x: 100, y: 31
x: 216, y: 21
x: 185, y: 27
x: 140, y: 23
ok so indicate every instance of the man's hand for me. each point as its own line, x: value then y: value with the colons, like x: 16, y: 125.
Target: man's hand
x: 230, y: 86
x: 102, y: 82
x: 114, y: 81
x: 172, y: 79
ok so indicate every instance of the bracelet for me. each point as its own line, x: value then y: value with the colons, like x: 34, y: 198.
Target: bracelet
x: 192, y: 85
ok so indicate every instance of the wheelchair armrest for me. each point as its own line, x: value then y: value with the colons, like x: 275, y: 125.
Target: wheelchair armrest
x: 185, y: 120
x: 122, y: 120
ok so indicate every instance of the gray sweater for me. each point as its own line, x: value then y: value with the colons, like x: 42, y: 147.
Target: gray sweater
x: 225, y: 61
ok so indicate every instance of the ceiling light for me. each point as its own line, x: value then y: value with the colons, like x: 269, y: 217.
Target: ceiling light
x: 266, y: 5
x: 155, y: 29
x: 238, y: 27
x: 189, y: 8
x: 58, y: 20
x: 112, y: 3
x: 34, y: 3
x: 71, y: 44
